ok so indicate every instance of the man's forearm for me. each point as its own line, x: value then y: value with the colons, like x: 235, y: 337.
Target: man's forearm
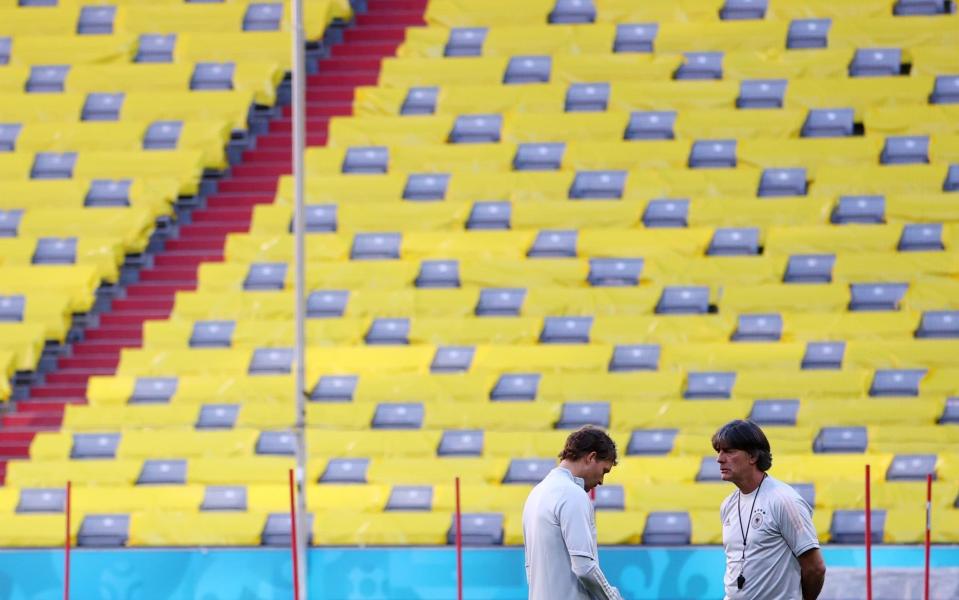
x: 592, y: 578
x: 812, y: 581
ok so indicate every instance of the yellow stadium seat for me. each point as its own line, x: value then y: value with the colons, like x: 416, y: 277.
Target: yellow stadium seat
x: 35, y: 530
x: 186, y: 528
x: 336, y: 528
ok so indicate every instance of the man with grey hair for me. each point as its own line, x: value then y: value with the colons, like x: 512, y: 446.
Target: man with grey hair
x: 771, y: 546
x: 559, y: 524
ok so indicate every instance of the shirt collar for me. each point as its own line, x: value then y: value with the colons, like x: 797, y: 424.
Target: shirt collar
x: 567, y: 473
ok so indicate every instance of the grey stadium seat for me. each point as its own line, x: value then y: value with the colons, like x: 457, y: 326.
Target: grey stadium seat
x: 921, y: 237
x: 465, y: 41
x: 576, y: 414
x: 950, y: 412
x: 410, y: 497
x: 420, y: 101
x: 108, y: 193
x: 714, y: 384
x: 153, y: 389
x: 690, y: 300
x: 554, y: 244
x: 951, y: 183
x: 100, y: 106
x: 438, y: 274
x: 829, y: 122
x: 503, y: 302
x: 651, y: 125
x: 53, y: 165
x: 849, y: 526
x: 863, y: 210
x: 376, y: 246
x: 12, y: 308
x: 321, y: 304
x: 667, y: 212
x: 877, y: 296
x: 10, y: 222
x: 224, y: 497
x: 47, y: 78
x: 345, y: 470
x: 209, y: 76
x: 761, y: 93
x: 495, y: 215
x: 155, y: 48
x: 217, y: 416
x: 516, y: 386
x: 265, y: 276
x: 452, y: 359
x: 806, y: 491
x: 104, y: 531
x: 841, y: 440
x: 604, y: 185
x: 566, y: 330
x: 399, y: 415
x: 946, y: 90
x: 426, y: 186
x: 667, y: 529
x: 808, y: 33
x: 896, y: 382
x: 921, y: 7
x: 939, y: 324
x: 5, y: 44
x: 9, y: 132
x: 96, y: 20
x: 389, y: 332
x: 905, y: 149
x: 713, y: 154
x: 759, y: 328
x: 55, y: 251
x: 479, y: 529
x: 635, y: 357
x: 42, y: 500
x: 528, y: 470
x: 212, y: 334
x: 369, y: 159
x: 708, y: 470
x: 335, y: 388
x: 734, y: 241
x: 539, y: 157
x: 573, y: 11
x: 809, y: 268
x: 94, y: 445
x: 587, y: 97
x: 162, y: 135
x: 276, y: 530
x: 743, y: 9
x: 635, y: 37
x: 261, y: 16
x: 774, y: 412
x: 824, y: 355
x: 528, y: 69
x: 476, y: 129
x: 610, y: 497
x: 463, y: 442
x: 163, y: 472
x: 276, y: 443
x: 701, y: 65
x: 912, y: 467
x: 271, y: 361
x: 615, y: 271
x: 876, y: 62
x: 783, y: 182
x: 651, y: 441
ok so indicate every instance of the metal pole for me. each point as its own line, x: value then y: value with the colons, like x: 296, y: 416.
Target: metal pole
x: 299, y: 143
x: 868, y: 535
x: 926, y: 572
x: 459, y: 544
x: 68, y: 509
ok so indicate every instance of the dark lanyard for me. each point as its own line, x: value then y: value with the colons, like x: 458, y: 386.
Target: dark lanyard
x: 741, y: 580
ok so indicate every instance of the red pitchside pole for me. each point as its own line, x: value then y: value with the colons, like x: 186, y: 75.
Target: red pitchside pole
x: 296, y: 566
x: 459, y: 544
x: 868, y: 536
x: 66, y: 548
x: 928, y: 534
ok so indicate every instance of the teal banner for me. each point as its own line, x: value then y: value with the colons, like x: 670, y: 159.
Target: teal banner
x: 377, y: 574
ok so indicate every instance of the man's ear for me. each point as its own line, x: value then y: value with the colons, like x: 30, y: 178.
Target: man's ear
x: 591, y: 457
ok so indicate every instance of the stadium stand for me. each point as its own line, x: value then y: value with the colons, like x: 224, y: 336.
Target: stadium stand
x: 654, y: 217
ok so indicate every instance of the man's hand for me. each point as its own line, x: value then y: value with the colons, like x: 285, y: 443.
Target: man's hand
x: 813, y: 575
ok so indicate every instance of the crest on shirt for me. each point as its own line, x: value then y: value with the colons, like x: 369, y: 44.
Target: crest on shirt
x: 758, y: 518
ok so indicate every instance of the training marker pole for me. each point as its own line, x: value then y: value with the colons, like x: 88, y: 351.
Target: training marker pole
x: 459, y: 544
x: 868, y: 536
x: 296, y: 565
x: 66, y: 549
x: 928, y: 533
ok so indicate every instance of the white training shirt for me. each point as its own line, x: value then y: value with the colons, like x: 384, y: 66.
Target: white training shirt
x: 558, y: 521
x: 780, y: 530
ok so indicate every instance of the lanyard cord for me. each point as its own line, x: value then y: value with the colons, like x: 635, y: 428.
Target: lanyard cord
x: 739, y: 512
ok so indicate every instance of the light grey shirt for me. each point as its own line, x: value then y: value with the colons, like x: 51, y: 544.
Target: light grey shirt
x: 780, y: 530
x: 559, y: 523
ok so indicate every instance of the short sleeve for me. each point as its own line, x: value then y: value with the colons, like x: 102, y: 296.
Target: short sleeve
x: 795, y: 524
x: 575, y: 522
